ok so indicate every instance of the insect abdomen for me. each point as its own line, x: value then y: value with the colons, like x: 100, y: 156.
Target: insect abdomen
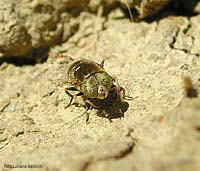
x: 82, y: 69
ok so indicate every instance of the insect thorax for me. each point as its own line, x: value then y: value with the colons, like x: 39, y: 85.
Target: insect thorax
x: 97, y: 85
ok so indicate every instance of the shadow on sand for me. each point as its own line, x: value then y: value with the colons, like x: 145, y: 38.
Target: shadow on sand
x: 112, y: 107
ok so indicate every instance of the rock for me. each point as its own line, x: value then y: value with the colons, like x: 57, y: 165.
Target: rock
x: 144, y: 8
x: 29, y: 28
x: 11, y: 107
x: 28, y: 25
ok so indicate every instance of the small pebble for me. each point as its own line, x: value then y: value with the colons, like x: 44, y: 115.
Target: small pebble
x: 11, y: 107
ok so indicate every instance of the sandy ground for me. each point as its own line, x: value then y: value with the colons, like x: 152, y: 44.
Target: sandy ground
x: 149, y: 60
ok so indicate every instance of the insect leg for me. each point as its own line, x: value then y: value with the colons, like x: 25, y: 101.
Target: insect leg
x: 107, y: 115
x: 91, y: 104
x: 102, y: 62
x: 123, y: 92
x: 87, y: 112
x: 71, y: 88
x: 119, y: 89
x: 67, y: 91
x: 124, y: 96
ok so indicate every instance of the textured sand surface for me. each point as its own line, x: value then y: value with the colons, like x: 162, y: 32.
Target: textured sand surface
x: 149, y: 60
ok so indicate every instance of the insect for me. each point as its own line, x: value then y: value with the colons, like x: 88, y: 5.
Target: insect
x: 96, y: 87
